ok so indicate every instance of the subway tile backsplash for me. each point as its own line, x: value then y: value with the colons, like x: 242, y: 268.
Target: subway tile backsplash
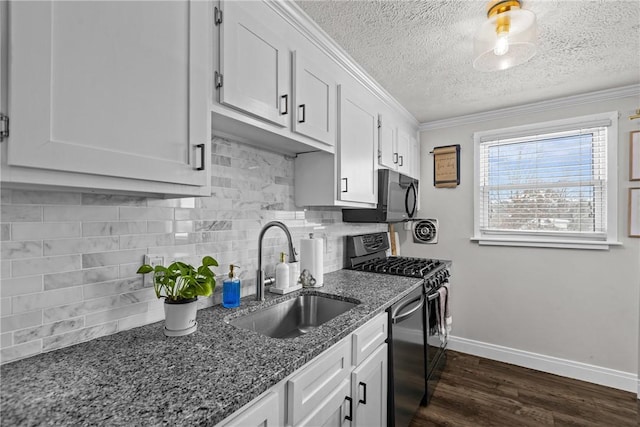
x: 68, y: 260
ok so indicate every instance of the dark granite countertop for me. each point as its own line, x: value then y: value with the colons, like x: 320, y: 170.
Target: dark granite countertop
x: 140, y: 377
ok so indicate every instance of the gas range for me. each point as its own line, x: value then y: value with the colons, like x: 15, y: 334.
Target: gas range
x: 367, y: 252
x: 416, y: 322
x: 400, y: 266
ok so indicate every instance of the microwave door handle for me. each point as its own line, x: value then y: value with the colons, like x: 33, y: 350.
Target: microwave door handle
x: 411, y: 189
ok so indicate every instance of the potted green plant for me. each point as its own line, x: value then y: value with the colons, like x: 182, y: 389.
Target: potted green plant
x: 180, y: 285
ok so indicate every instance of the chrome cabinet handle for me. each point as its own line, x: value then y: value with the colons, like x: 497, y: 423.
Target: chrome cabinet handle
x: 395, y: 158
x: 401, y: 160
x: 346, y: 185
x: 286, y: 104
x: 201, y: 147
x: 364, y: 393
x: 302, y: 108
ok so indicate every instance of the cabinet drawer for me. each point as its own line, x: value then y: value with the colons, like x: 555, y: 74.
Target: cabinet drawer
x: 309, y: 388
x: 333, y: 410
x: 264, y: 411
x: 367, y: 338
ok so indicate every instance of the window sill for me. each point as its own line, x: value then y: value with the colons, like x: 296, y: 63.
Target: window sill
x: 545, y: 243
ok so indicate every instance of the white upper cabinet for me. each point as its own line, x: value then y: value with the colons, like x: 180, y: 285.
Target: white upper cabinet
x: 404, y: 154
x: 397, y: 145
x: 110, y: 95
x: 273, y: 87
x: 348, y: 178
x: 414, y: 150
x: 254, y: 63
x: 387, y: 143
x: 357, y: 145
x: 314, y: 100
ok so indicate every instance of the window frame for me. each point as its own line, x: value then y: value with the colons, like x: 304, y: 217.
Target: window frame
x: 542, y: 239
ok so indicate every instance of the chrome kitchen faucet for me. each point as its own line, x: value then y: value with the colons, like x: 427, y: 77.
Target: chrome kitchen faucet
x: 260, y: 281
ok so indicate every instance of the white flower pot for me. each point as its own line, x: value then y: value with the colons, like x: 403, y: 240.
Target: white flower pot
x: 180, y: 317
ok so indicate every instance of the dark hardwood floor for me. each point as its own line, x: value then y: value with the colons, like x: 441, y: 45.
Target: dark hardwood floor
x: 479, y: 392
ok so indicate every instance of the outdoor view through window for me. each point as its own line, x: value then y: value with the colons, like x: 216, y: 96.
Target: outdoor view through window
x: 551, y: 183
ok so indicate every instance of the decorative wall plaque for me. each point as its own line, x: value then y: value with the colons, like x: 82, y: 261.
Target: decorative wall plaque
x: 446, y: 166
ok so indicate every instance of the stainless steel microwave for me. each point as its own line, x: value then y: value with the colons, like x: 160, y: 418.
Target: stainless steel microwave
x: 397, y: 200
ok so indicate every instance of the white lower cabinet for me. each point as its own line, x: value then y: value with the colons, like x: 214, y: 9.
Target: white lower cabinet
x: 344, y: 386
x: 263, y: 412
x: 369, y: 390
x: 312, y: 387
x: 333, y: 411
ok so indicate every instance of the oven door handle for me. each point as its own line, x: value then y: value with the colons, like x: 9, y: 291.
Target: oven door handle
x: 397, y: 319
x: 433, y: 296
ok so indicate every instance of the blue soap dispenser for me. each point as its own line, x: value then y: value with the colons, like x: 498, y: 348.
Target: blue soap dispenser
x: 231, y: 290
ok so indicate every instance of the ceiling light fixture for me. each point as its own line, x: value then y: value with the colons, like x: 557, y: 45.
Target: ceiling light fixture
x: 507, y: 38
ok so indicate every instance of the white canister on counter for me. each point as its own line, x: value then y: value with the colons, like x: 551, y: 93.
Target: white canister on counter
x: 311, y: 261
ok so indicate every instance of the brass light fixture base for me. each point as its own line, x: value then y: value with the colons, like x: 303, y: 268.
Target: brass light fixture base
x: 499, y: 6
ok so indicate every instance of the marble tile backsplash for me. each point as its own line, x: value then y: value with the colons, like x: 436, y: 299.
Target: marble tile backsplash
x: 68, y: 260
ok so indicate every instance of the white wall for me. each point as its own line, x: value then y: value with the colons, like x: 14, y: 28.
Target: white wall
x: 577, y: 305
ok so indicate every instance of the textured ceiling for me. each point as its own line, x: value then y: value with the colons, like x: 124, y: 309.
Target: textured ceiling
x: 422, y: 51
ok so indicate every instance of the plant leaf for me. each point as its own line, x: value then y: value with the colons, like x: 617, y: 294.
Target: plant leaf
x: 144, y: 269
x: 208, y: 261
x: 203, y: 288
x: 204, y: 271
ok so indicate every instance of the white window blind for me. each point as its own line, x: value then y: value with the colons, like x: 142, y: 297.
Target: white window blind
x: 549, y: 182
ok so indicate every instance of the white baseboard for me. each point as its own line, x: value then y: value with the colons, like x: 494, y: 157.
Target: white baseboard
x: 567, y: 368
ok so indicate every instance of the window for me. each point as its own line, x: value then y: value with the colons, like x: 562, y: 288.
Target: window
x: 549, y: 184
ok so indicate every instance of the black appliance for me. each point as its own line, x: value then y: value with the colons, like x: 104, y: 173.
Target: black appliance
x: 417, y: 351
x: 397, y: 200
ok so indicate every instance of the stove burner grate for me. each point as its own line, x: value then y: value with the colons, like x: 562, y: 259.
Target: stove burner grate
x: 400, y: 266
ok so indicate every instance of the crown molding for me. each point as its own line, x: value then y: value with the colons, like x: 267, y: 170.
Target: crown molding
x: 297, y: 18
x: 536, y: 107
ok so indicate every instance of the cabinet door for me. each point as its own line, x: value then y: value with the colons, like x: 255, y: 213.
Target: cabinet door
x: 358, y: 142
x: 404, y: 154
x: 264, y: 413
x: 367, y: 338
x: 314, y: 100
x: 111, y: 88
x: 387, y: 144
x: 335, y: 411
x: 309, y: 388
x: 414, y: 148
x: 369, y: 390
x: 254, y: 62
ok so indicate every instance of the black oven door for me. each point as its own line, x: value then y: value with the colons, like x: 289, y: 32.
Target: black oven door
x: 436, y: 344
x: 406, y: 376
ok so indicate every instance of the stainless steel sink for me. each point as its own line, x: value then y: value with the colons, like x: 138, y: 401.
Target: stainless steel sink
x: 294, y: 317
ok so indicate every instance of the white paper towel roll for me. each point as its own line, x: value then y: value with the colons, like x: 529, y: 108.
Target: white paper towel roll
x: 311, y: 258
